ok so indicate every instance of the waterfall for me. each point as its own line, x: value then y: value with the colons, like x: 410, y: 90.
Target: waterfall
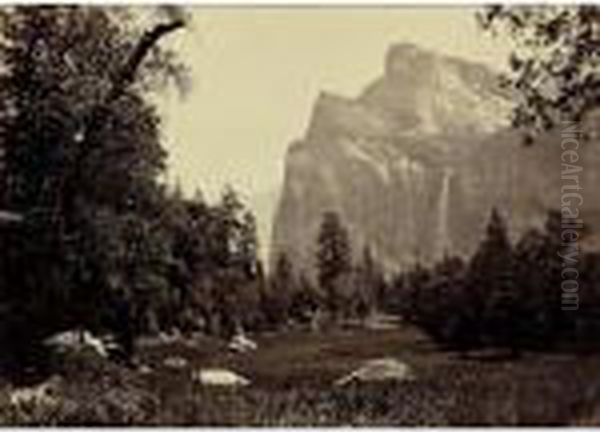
x: 443, y: 231
x: 412, y: 180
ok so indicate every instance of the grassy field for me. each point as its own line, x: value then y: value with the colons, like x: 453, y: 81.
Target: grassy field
x: 292, y: 378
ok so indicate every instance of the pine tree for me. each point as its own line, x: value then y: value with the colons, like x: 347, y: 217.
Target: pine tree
x: 334, y: 258
x: 248, y: 245
x: 536, y: 256
x: 250, y: 269
x: 282, y: 287
x: 492, y: 291
x: 228, y: 224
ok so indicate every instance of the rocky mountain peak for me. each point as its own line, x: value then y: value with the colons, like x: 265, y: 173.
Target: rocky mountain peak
x: 415, y: 164
x: 402, y: 58
x: 434, y: 94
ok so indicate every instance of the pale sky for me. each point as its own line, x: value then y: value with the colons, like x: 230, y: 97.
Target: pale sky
x: 256, y: 73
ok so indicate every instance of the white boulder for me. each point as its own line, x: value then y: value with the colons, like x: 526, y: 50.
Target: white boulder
x: 241, y: 343
x: 45, y: 393
x: 77, y: 340
x: 379, y: 370
x: 175, y: 362
x: 169, y: 337
x: 145, y: 369
x: 219, y: 377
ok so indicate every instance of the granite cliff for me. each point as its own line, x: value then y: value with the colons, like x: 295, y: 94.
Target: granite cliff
x: 415, y: 164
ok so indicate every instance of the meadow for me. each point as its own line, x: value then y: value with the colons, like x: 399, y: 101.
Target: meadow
x: 293, y: 375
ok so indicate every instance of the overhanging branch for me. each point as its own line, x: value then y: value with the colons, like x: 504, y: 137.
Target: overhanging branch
x: 124, y: 78
x: 127, y: 74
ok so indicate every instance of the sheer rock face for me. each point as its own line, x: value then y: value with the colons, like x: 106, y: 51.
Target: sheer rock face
x: 415, y: 164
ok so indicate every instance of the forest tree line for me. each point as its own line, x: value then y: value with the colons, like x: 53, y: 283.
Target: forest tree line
x: 506, y: 295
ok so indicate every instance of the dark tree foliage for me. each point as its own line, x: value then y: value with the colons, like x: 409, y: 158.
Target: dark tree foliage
x: 554, y: 63
x: 224, y: 274
x: 283, y: 285
x: 504, y: 297
x: 81, y: 160
x: 334, y: 258
x: 491, y: 283
x: 238, y: 268
x: 305, y: 301
x: 103, y: 244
